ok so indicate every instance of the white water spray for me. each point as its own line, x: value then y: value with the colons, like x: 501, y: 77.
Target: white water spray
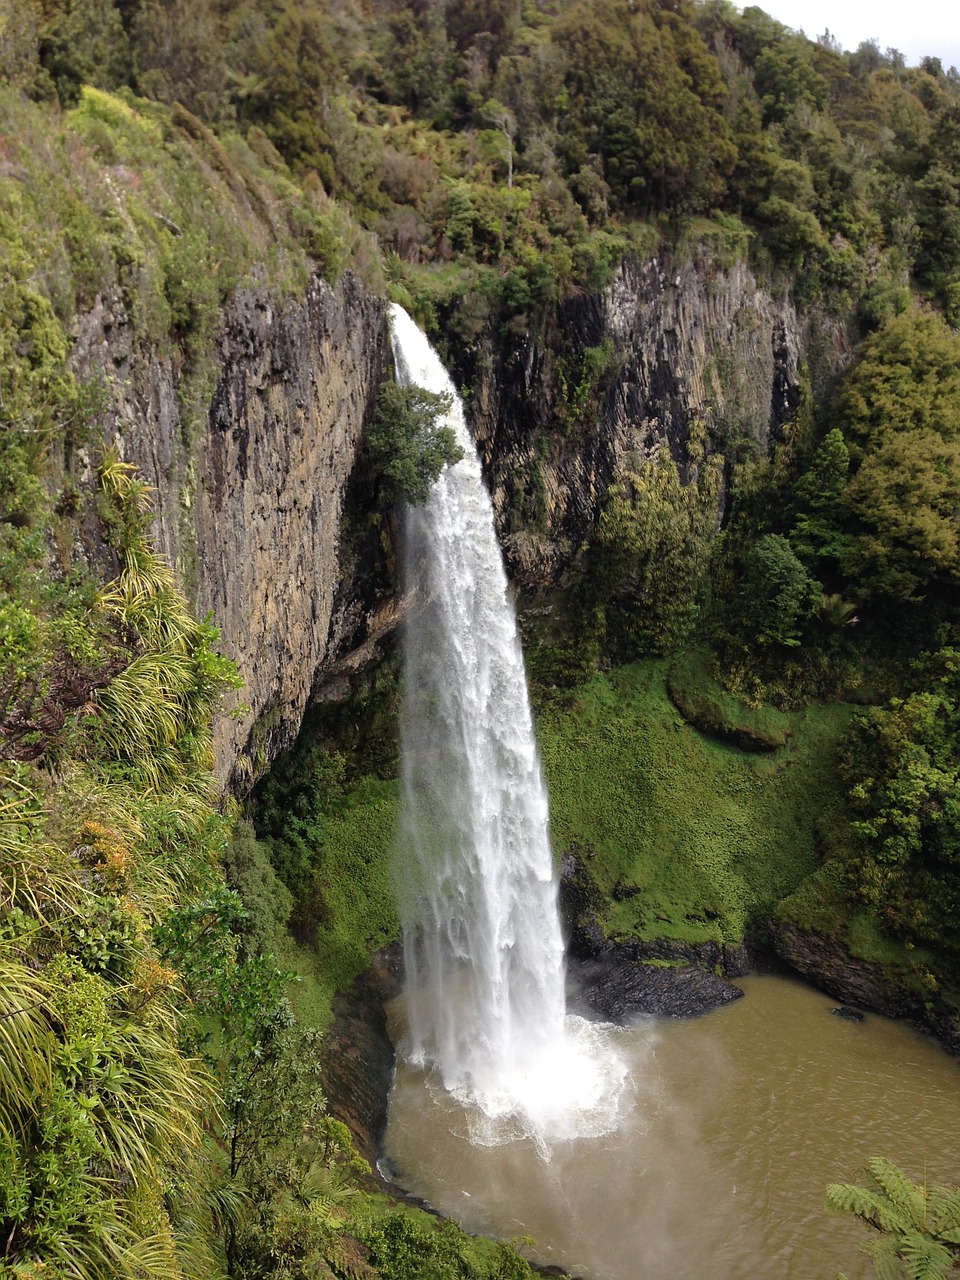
x: 478, y: 894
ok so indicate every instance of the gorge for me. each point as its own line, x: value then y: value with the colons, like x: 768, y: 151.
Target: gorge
x: 694, y: 280
x: 609, y: 1147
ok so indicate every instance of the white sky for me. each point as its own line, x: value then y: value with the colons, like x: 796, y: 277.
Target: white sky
x: 915, y: 27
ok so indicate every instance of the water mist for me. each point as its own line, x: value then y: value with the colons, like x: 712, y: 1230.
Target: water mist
x: 477, y: 889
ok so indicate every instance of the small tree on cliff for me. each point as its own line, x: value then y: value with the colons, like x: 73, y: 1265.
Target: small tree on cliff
x: 408, y: 442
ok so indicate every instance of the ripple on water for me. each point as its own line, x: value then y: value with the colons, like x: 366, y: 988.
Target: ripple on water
x: 728, y: 1129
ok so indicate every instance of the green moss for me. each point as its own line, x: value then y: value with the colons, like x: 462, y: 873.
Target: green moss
x: 330, y: 838
x: 707, y: 706
x: 689, y: 838
x: 405, y: 1241
x: 820, y: 903
x: 358, y: 913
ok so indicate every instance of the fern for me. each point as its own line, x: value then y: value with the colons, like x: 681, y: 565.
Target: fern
x: 919, y: 1226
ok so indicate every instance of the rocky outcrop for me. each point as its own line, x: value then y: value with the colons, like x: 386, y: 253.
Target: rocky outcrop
x: 830, y: 966
x: 251, y: 486
x: 620, y: 992
x: 252, y: 454
x: 672, y: 345
x: 358, y: 1054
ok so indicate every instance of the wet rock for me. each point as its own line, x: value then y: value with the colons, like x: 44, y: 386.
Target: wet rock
x: 851, y: 1015
x: 358, y: 1054
x: 830, y: 966
x: 618, y: 991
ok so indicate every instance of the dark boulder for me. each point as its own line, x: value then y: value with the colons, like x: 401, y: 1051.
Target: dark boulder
x: 851, y: 1015
x: 620, y: 991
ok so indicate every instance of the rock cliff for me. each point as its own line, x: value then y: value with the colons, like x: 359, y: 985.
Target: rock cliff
x: 829, y: 965
x: 253, y: 483
x: 251, y: 494
x: 629, y: 370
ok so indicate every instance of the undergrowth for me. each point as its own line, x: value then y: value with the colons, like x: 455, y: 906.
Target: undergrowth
x: 685, y: 837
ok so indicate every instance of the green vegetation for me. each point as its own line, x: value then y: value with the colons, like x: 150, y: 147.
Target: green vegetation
x: 685, y: 837
x: 488, y: 165
x: 504, y: 153
x: 705, y: 704
x: 650, y: 554
x: 899, y: 413
x: 161, y: 1113
x: 329, y: 839
x: 409, y: 445
x: 108, y: 824
x: 918, y: 1225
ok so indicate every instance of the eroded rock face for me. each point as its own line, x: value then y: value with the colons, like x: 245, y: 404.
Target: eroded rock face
x: 358, y: 1054
x: 620, y: 992
x: 255, y: 485
x: 251, y: 490
x: 828, y: 965
x: 688, y: 346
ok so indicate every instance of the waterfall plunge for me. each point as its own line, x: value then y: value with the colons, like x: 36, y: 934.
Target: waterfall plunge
x: 477, y: 891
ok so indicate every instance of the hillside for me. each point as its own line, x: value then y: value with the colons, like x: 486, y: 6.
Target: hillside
x: 698, y: 279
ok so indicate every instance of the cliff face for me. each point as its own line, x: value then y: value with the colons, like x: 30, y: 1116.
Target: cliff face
x: 671, y: 345
x: 250, y: 498
x: 253, y: 482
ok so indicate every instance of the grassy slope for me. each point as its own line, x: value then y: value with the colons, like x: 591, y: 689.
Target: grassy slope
x: 710, y: 835
x: 358, y: 915
x: 702, y: 836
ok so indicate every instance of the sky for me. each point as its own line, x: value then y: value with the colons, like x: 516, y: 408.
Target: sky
x: 915, y: 27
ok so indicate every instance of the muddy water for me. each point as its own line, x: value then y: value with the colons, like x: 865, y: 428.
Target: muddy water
x: 734, y: 1125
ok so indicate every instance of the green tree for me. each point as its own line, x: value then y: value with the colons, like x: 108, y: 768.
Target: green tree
x: 85, y: 43
x: 650, y: 553
x: 503, y: 119
x: 918, y: 1225
x: 899, y: 411
x: 901, y: 767
x: 408, y: 443
x: 776, y: 594
x: 937, y: 205
x: 817, y: 534
x: 645, y: 94
x: 178, y: 54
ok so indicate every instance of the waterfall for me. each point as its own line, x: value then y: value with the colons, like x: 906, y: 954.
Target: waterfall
x: 476, y: 885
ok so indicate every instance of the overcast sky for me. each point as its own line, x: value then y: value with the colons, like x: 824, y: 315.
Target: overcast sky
x: 915, y: 27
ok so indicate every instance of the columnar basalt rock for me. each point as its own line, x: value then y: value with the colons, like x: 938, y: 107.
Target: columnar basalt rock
x: 685, y: 343
x: 251, y: 496
x: 253, y: 484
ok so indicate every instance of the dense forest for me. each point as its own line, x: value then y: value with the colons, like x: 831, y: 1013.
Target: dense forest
x: 483, y: 163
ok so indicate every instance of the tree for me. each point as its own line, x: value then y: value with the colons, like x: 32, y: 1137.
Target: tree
x: 899, y: 411
x: 900, y: 765
x: 502, y: 118
x: 650, y: 553
x: 776, y: 593
x: 408, y: 443
x: 919, y: 1226
x: 817, y: 535
x: 178, y: 55
x: 85, y: 43
x: 645, y: 94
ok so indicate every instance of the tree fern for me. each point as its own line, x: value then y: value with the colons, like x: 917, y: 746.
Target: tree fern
x: 919, y: 1226
x: 909, y: 1200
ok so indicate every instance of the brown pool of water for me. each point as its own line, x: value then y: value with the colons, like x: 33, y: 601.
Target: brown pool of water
x: 734, y: 1125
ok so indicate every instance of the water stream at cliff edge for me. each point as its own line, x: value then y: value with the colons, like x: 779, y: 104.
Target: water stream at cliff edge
x: 485, y: 1005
